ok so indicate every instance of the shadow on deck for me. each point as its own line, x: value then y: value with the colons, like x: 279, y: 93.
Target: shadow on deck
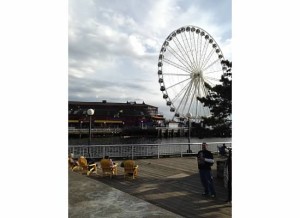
x: 172, y: 184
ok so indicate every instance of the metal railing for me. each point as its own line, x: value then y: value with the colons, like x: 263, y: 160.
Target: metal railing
x: 95, y: 130
x: 136, y: 151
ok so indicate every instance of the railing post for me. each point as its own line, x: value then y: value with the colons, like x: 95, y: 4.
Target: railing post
x: 181, y: 150
x: 157, y: 151
x: 132, y: 152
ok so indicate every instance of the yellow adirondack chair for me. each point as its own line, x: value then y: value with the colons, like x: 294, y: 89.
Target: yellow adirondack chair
x: 72, y: 163
x: 84, y: 167
x: 130, y: 169
x: 107, y: 168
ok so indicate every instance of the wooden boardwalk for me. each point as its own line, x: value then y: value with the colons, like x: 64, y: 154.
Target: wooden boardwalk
x: 172, y: 183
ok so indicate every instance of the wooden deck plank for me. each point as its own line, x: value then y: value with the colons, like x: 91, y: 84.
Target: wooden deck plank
x: 173, y: 184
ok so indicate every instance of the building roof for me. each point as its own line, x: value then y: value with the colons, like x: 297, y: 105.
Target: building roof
x: 105, y: 103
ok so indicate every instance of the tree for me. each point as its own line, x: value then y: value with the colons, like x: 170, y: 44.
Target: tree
x: 219, y: 102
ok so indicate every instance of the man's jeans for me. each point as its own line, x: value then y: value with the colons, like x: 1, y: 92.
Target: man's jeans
x: 207, y: 181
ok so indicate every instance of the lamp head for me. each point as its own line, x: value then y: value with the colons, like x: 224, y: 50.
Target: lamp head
x: 90, y: 112
x: 188, y: 115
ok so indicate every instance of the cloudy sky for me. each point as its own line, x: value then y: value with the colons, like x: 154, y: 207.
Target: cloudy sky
x: 114, y: 45
x: 113, y: 53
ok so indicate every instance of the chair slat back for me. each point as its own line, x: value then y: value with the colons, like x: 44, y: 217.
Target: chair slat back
x: 129, y: 166
x: 82, y: 161
x: 105, y: 165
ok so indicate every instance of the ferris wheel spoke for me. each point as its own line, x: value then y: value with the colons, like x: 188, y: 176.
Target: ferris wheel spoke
x: 192, y: 98
x: 177, y: 65
x: 195, y: 46
x: 214, y: 71
x: 199, y: 89
x: 211, y: 78
x: 204, y: 90
x: 200, y: 52
x: 199, y: 45
x: 209, y: 83
x: 186, y: 96
x: 204, y: 54
x: 176, y: 84
x: 208, y: 58
x: 179, y: 58
x: 213, y: 63
x: 193, y: 49
x: 190, y: 47
x: 180, y: 93
x: 199, y: 104
x: 184, y: 50
x: 175, y: 74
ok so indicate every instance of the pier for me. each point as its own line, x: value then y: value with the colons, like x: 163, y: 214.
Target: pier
x: 155, y: 131
x: 171, y: 132
x: 169, y: 187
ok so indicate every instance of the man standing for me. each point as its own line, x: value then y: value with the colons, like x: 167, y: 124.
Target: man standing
x: 229, y: 167
x: 205, y: 161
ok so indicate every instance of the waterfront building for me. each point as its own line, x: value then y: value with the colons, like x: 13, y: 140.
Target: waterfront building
x: 113, y: 115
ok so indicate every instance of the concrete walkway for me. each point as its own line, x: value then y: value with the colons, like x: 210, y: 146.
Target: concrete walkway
x: 91, y: 198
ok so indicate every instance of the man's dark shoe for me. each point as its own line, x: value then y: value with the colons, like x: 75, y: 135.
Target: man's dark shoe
x: 204, y: 194
x: 213, y: 196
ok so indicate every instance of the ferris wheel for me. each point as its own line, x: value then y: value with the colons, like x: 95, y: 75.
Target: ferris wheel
x: 189, y: 64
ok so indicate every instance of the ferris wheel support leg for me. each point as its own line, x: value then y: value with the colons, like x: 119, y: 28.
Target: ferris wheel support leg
x: 189, y: 137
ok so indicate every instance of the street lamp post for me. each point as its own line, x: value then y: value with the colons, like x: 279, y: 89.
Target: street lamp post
x: 90, y: 112
x: 80, y: 129
x: 189, y: 115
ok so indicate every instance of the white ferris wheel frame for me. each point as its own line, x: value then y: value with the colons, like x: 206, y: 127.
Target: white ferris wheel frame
x: 189, y: 64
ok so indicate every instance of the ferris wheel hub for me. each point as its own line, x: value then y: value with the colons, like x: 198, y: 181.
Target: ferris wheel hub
x: 196, y: 74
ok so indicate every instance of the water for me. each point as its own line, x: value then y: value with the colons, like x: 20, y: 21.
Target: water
x: 117, y: 140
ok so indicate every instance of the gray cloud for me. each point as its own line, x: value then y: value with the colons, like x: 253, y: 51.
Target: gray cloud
x: 114, y: 45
